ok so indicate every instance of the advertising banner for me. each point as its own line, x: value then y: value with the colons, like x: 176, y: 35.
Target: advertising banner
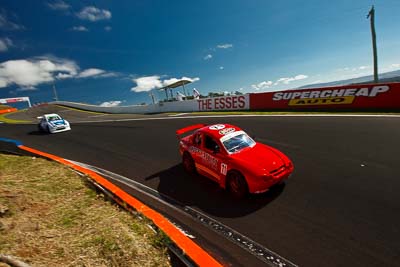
x: 366, y: 96
x: 234, y: 102
x: 15, y: 99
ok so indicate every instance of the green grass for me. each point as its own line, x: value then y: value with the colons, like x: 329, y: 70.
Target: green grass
x: 4, y: 107
x: 55, y: 219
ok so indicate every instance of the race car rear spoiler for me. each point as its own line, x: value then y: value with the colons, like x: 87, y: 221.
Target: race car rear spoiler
x: 188, y: 129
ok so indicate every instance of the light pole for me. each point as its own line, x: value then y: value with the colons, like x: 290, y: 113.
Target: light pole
x: 371, y: 15
x: 55, y: 92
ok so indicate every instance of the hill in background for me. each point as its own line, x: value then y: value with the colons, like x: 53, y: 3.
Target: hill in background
x: 393, y: 76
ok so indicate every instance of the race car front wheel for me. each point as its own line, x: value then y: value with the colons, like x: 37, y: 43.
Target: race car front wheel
x: 188, y: 163
x: 237, y: 185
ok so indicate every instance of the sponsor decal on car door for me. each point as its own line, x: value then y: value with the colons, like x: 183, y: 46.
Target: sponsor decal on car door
x: 213, y: 158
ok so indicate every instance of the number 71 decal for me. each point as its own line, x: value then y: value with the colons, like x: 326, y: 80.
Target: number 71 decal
x: 224, y: 168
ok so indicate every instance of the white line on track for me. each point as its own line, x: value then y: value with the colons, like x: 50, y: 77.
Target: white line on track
x: 180, y: 114
x: 233, y: 116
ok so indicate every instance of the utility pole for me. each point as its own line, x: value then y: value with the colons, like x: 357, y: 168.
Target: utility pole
x: 371, y: 15
x: 55, y: 92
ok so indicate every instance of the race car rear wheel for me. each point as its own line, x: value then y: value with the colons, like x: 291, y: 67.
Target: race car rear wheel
x: 237, y: 185
x: 188, y: 163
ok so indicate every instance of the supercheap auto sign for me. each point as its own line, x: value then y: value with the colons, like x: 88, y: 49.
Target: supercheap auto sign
x: 352, y: 96
x: 329, y: 96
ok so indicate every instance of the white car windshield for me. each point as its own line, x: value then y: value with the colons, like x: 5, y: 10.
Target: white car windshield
x: 237, y: 141
x: 54, y: 118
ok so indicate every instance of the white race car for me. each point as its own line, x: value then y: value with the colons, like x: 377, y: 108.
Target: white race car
x: 53, y: 123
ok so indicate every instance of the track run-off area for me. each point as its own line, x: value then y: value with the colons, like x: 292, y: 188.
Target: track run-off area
x: 341, y: 206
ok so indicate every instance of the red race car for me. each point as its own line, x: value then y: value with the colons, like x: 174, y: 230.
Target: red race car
x: 227, y: 155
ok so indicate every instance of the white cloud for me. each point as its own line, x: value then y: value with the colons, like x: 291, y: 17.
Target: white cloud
x: 3, y: 82
x: 291, y: 79
x: 5, y: 43
x: 145, y: 84
x: 343, y: 69
x: 390, y: 67
x: 107, y: 28
x: 110, y: 104
x: 90, y: 73
x: 209, y: 56
x: 300, y: 77
x: 92, y: 13
x: 58, y: 5
x: 8, y: 25
x: 96, y: 73
x: 262, y: 85
x: 148, y: 83
x: 221, y: 68
x: 62, y: 76
x: 31, y: 72
x: 28, y: 73
x: 353, y: 69
x: 224, y: 46
x: 79, y: 29
x: 108, y: 74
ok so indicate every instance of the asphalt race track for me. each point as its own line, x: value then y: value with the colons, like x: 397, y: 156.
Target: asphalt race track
x: 341, y: 206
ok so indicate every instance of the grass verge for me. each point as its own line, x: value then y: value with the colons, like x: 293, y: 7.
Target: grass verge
x: 4, y: 107
x: 50, y: 217
x: 4, y: 119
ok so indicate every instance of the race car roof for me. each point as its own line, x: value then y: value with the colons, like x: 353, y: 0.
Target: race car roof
x: 51, y: 115
x: 219, y: 130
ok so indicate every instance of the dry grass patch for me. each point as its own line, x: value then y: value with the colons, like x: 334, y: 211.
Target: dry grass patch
x: 54, y: 219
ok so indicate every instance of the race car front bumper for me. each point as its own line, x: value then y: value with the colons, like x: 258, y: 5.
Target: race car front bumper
x: 59, y: 129
x: 263, y: 184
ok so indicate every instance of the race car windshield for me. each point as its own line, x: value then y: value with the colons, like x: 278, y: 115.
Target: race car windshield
x: 238, y: 142
x: 54, y: 118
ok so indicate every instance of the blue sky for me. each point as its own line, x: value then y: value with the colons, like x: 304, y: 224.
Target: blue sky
x: 103, y: 51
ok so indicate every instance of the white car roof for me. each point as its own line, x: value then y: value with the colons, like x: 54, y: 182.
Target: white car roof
x: 51, y: 115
